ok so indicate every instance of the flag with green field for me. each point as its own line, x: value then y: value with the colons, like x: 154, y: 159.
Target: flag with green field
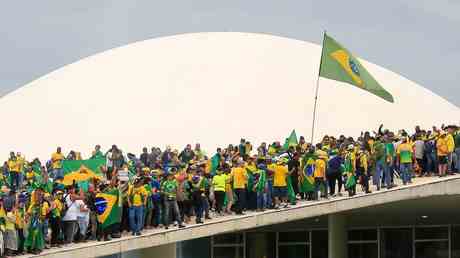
x: 291, y: 141
x: 82, y: 171
x: 108, y: 208
x: 337, y: 63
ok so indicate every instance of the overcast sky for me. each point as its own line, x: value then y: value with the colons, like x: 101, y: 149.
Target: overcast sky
x: 419, y: 39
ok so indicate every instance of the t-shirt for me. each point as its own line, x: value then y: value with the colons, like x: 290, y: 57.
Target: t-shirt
x: 57, y: 158
x: 442, y: 147
x: 450, y: 143
x: 320, y: 168
x: 405, y: 153
x: 419, y: 149
x: 169, y: 188
x: 14, y: 165
x: 137, y: 195
x: 73, y: 210
x: 240, y: 178
x: 279, y: 176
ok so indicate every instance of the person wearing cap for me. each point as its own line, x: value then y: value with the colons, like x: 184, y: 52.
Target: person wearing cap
x: 405, y: 159
x: 137, y: 200
x: 442, y: 151
x: 169, y: 191
x: 155, y: 187
x: 239, y: 177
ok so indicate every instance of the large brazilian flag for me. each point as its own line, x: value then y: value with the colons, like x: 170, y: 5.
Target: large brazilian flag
x: 108, y: 207
x: 337, y: 63
x: 82, y: 171
x: 291, y: 141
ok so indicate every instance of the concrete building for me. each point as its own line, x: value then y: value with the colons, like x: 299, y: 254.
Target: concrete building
x: 210, y: 88
x: 418, y: 221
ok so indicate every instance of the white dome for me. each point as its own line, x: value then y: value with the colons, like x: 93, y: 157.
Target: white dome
x: 211, y: 88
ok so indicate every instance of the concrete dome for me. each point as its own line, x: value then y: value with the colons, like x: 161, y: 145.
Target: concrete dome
x: 211, y: 88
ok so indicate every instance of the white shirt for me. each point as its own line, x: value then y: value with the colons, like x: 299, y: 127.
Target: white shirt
x: 73, y: 210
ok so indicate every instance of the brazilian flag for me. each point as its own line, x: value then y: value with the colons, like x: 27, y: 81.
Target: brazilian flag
x: 291, y: 140
x: 307, y: 181
x: 108, y: 207
x: 337, y: 63
x: 82, y: 171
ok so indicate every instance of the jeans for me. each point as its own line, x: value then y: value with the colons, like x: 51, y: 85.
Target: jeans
x: 261, y: 200
x: 269, y: 196
x: 171, y: 206
x: 457, y: 159
x: 387, y: 174
x: 198, y: 204
x: 136, y: 218
x: 379, y: 170
x: 16, y: 180
x: 83, y: 225
x: 449, y: 162
x: 45, y: 228
x: 406, y: 172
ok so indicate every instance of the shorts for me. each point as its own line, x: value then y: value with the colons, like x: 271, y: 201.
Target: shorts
x: 280, y: 191
x: 442, y: 160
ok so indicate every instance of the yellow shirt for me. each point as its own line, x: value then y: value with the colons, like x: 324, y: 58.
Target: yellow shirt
x: 10, y: 221
x: 450, y: 143
x: 137, y: 195
x: 442, y: 146
x: 14, y: 165
x: 279, y: 175
x: 57, y: 159
x: 240, y: 178
x: 320, y: 168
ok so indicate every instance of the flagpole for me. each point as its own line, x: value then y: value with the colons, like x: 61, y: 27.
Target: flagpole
x: 316, y: 92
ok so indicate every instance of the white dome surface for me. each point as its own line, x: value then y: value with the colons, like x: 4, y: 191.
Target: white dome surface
x: 211, y: 88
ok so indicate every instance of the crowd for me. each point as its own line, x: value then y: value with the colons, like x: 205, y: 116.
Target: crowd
x: 168, y: 187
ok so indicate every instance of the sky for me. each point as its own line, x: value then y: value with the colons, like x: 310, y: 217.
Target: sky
x: 419, y: 39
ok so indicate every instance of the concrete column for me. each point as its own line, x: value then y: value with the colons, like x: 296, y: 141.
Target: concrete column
x: 162, y: 251
x: 337, y: 236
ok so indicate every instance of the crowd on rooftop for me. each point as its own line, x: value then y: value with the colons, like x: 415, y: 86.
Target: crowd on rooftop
x: 175, y: 188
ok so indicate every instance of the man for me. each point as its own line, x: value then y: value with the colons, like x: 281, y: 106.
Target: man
x: 442, y: 151
x: 419, y: 146
x: 333, y: 173
x: 240, y: 179
x: 137, y: 200
x: 379, y: 158
x: 405, y: 159
x: 97, y: 153
x: 362, y: 169
x: 144, y: 157
x: 187, y: 154
x: 14, y: 167
x: 280, y: 191
x: 169, y: 190
x: 320, y: 174
x: 450, y: 148
x: 56, y: 159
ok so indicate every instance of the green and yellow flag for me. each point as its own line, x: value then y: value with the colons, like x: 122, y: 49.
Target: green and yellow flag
x: 82, y: 171
x: 107, y: 207
x: 337, y: 63
x: 291, y: 140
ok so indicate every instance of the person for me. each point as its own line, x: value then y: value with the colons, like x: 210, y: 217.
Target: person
x: 90, y: 201
x: 362, y: 169
x: 156, y: 198
x: 260, y: 186
x: 442, y: 151
x: 10, y: 235
x: 144, y: 157
x: 405, y: 160
x: 20, y: 221
x: 450, y: 148
x: 419, y: 152
x: 333, y: 173
x: 36, y: 213
x: 14, y: 167
x: 82, y: 219
x: 56, y: 159
x: 197, y: 192
x: 70, y: 216
x: 239, y: 178
x: 187, y: 154
x: 169, y: 190
x: 137, y: 200
x: 280, y: 191
x: 390, y: 159
x: 320, y: 174
x: 97, y: 153
x: 218, y: 184
x: 55, y: 218
x: 349, y: 171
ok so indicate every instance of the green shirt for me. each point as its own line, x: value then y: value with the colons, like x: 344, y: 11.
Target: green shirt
x: 169, y: 188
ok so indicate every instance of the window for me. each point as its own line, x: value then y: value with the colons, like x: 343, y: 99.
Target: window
x: 455, y: 242
x: 260, y: 244
x: 228, y: 246
x: 294, y: 244
x: 319, y: 244
x: 431, y: 242
x: 363, y: 243
x: 396, y: 242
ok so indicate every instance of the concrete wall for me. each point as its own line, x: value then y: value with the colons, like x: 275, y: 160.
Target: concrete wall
x: 436, y: 187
